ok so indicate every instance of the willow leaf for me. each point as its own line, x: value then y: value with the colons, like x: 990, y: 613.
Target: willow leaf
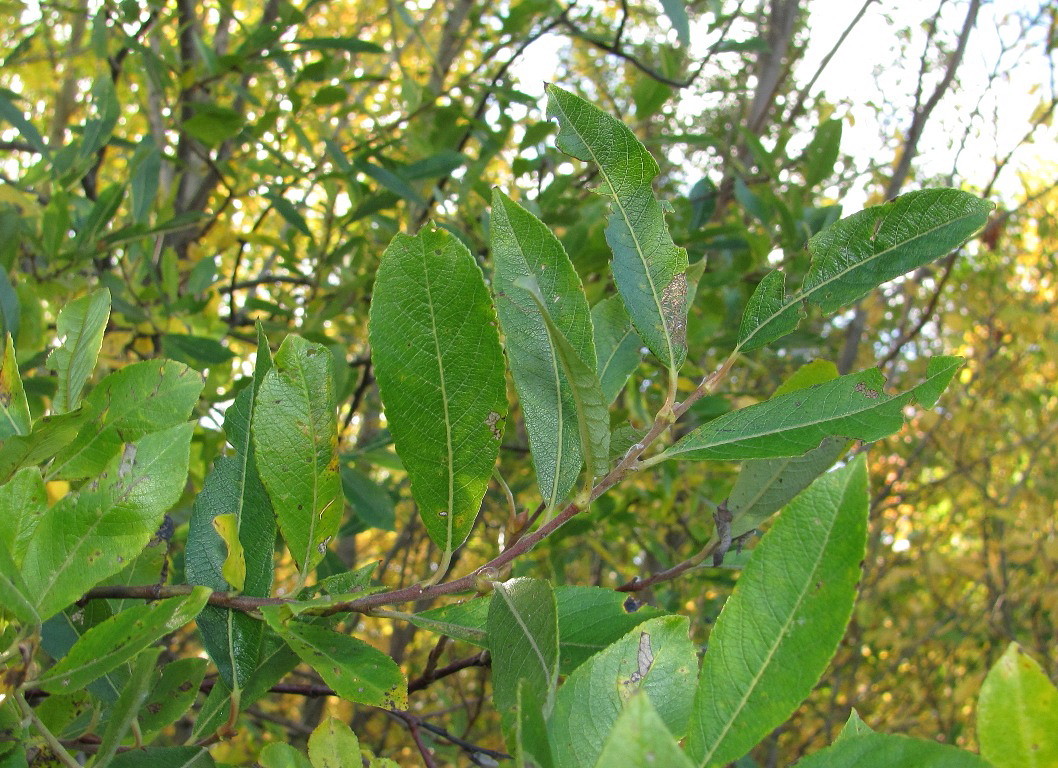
x: 522, y: 247
x: 593, y: 417
x: 862, y: 251
x: 884, y: 750
x: 80, y: 325
x: 648, y: 268
x: 14, y: 408
x: 639, y: 739
x: 617, y: 346
x: 780, y: 627
x: 852, y: 406
x: 440, y: 372
x: 1017, y: 713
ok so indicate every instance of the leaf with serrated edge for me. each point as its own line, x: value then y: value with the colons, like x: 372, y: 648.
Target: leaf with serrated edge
x: 522, y: 247
x: 639, y: 739
x: 80, y: 325
x: 355, y: 670
x: 14, y: 408
x: 233, y: 487
x: 593, y: 417
x: 656, y: 657
x: 440, y: 372
x: 522, y: 629
x: 295, y: 436
x: 862, y: 251
x: 89, y: 535
x: 779, y: 629
x: 120, y: 638
x: 883, y: 750
x: 334, y: 745
x: 617, y: 346
x: 1017, y: 713
x: 648, y: 268
x: 852, y: 406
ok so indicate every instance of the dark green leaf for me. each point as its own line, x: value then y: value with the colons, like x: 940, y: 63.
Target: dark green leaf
x: 196, y: 351
x: 172, y: 694
x: 822, y: 152
x: 370, y: 501
x: 853, y: 406
x: 164, y: 757
x: 350, y: 44
x: 648, y: 268
x: 880, y: 750
x: 10, y: 307
x: 440, y: 372
x: 862, y: 251
x: 15, y: 116
x: 80, y: 328
x: 522, y: 630
x: 532, y: 745
x: 523, y: 248
x: 618, y: 347
x: 781, y: 626
x: 676, y: 10
x: 127, y: 707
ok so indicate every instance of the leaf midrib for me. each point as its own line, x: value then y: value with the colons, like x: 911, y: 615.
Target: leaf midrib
x: 526, y: 631
x: 803, y: 295
x: 718, y: 741
x: 635, y: 237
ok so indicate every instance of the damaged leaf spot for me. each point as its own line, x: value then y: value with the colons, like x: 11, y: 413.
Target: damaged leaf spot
x: 863, y: 389
x: 492, y: 421
x: 674, y: 310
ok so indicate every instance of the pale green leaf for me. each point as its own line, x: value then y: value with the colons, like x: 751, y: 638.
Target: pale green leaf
x: 17, y: 602
x: 355, y: 670
x: 882, y: 750
x: 49, y: 435
x: 852, y: 406
x: 295, y: 435
x: 80, y: 329
x: 639, y: 739
x: 523, y: 247
x: 174, y: 691
x: 592, y: 409
x: 854, y: 727
x: 126, y: 405
x: 862, y: 251
x: 119, y: 639
x: 281, y: 755
x: 89, y: 535
x: 657, y: 657
x: 1017, y: 713
x: 648, y: 268
x: 334, y: 745
x: 617, y: 345
x: 522, y: 629
x: 781, y: 626
x: 14, y: 409
x: 440, y: 372
x: 23, y: 501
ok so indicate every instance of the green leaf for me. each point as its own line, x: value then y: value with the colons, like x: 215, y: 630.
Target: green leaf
x: 164, y: 757
x: 349, y: 44
x: 647, y: 267
x: 147, y: 171
x: 127, y: 707
x: 26, y: 129
x: 522, y: 248
x: 882, y: 750
x: 17, y: 602
x: 119, y: 639
x: 862, y: 251
x: 522, y: 630
x: 440, y: 372
x: 532, y: 745
x: 295, y: 434
x: 854, y: 727
x: 592, y: 410
x: 639, y: 739
x: 334, y: 745
x: 80, y: 326
x: 370, y: 501
x: 676, y: 10
x: 356, y: 671
x: 657, y: 657
x: 233, y: 638
x: 282, y: 755
x: 617, y: 346
x: 389, y: 180
x: 1017, y: 713
x: 703, y: 199
x: 10, y: 306
x: 213, y: 124
x: 126, y: 405
x: 822, y: 152
x: 853, y: 406
x: 49, y: 435
x: 780, y: 627
x: 196, y: 351
x: 14, y: 408
x: 172, y: 694
x: 92, y: 534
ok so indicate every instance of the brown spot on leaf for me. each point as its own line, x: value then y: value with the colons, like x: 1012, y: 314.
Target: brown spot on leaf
x: 674, y: 309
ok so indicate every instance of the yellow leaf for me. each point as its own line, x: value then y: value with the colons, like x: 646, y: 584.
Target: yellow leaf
x: 234, y: 568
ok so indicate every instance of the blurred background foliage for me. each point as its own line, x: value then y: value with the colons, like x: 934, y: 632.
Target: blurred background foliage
x: 221, y: 163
